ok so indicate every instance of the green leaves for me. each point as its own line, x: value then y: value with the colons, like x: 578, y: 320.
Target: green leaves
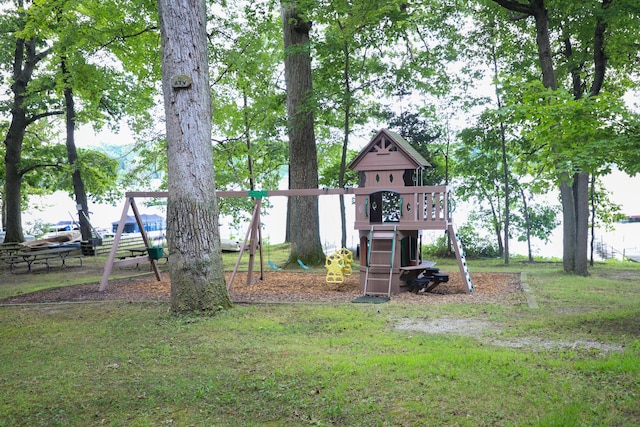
x: 575, y: 135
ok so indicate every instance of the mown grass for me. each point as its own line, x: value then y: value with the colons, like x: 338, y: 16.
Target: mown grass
x: 573, y: 361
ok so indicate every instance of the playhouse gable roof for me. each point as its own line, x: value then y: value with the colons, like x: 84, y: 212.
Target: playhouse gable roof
x: 388, y: 151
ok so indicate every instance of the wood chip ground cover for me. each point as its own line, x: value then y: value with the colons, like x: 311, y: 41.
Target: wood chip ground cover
x: 284, y: 286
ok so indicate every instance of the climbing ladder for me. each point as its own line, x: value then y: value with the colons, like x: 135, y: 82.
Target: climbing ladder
x: 379, y: 246
x: 462, y: 260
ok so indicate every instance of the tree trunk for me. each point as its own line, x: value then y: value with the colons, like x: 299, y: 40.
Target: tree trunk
x: 568, y: 225
x: 527, y: 223
x: 575, y: 223
x: 592, y: 200
x: 345, y: 143
x: 543, y: 42
x: 303, y: 161
x: 82, y: 206
x: 581, y: 199
x: 195, y: 264
x: 573, y: 192
x: 247, y: 136
x: 13, y: 178
x: 505, y: 163
x: 23, y: 65
x: 497, y: 229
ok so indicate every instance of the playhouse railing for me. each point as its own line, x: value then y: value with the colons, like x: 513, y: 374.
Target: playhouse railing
x: 409, y: 208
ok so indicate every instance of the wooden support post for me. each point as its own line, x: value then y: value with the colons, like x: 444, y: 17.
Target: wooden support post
x: 114, y: 248
x: 254, y: 241
x: 116, y: 241
x: 254, y: 225
x: 145, y: 239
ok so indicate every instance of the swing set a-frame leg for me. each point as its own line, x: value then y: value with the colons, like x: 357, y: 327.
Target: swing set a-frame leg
x: 254, y: 238
x: 130, y: 202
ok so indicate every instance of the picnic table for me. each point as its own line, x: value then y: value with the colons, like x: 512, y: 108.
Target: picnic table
x: 138, y: 251
x: 413, y: 271
x: 423, y: 277
x: 42, y: 256
x: 10, y: 248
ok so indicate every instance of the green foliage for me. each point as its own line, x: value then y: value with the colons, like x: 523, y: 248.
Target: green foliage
x: 543, y: 219
x: 107, y: 48
x: 248, y: 102
x: 577, y: 135
x: 474, y: 245
x: 86, y: 48
x: 46, y: 168
x: 423, y: 135
x: 329, y: 158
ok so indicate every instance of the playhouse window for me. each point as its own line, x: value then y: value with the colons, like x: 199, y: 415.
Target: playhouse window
x: 391, y: 210
x: 387, y: 207
x: 410, y: 178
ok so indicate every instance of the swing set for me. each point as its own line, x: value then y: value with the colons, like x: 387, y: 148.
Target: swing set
x: 391, y: 211
x: 252, y: 241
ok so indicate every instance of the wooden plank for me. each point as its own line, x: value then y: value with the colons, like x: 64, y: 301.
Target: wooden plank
x: 422, y: 266
x: 311, y: 191
x: 131, y: 261
x: 428, y: 207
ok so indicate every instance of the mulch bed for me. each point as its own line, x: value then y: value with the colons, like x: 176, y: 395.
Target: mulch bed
x: 284, y: 286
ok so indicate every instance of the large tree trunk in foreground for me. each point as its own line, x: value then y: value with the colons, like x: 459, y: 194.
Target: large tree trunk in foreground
x: 195, y: 264
x: 303, y: 161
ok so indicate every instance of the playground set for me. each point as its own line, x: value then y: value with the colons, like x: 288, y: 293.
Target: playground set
x: 392, y: 211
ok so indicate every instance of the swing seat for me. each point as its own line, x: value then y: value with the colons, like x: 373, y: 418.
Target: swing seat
x: 302, y: 265
x: 347, y: 259
x: 273, y: 266
x: 335, y: 269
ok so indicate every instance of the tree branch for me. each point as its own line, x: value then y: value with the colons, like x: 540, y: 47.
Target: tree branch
x: 515, y: 6
x: 37, y: 117
x: 599, y: 55
x: 39, y: 166
x: 520, y: 17
x: 126, y: 36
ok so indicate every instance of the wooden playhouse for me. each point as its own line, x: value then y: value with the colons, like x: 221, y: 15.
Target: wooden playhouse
x: 394, y: 211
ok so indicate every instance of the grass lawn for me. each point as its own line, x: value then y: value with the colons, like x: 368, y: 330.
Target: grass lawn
x: 573, y: 361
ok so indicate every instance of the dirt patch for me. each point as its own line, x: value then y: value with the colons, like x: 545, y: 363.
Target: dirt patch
x: 284, y: 286
x: 626, y: 275
x: 478, y: 328
x: 468, y: 327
